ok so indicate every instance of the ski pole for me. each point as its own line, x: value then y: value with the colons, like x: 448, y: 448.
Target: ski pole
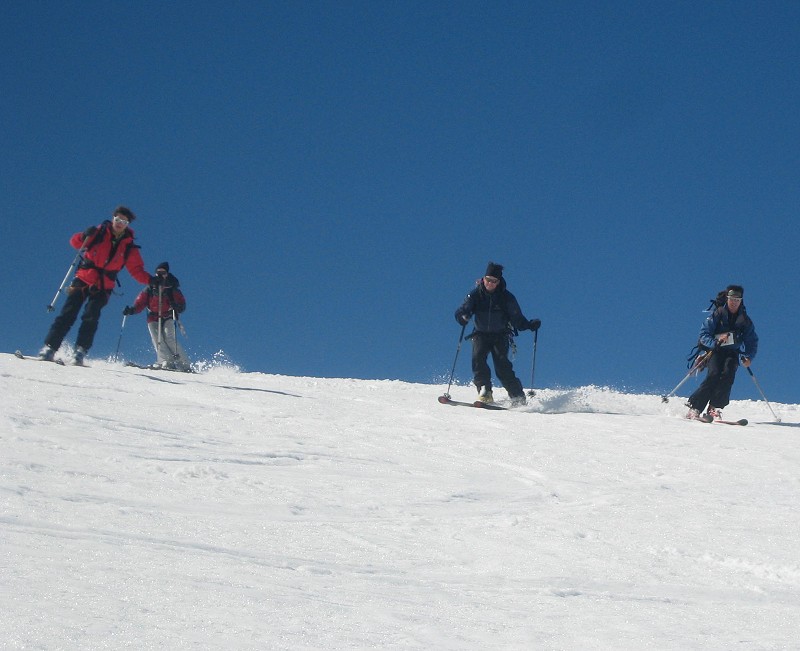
x: 160, y: 316
x: 70, y: 271
x: 758, y: 386
x: 452, y: 372
x: 698, y: 365
x: 119, y: 341
x: 531, y: 392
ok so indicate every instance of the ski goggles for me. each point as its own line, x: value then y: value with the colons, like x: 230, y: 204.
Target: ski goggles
x: 120, y: 220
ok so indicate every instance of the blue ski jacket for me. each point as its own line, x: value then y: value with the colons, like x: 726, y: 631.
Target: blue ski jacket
x: 744, y: 332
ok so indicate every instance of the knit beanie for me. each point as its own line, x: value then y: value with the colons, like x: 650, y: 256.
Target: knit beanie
x: 494, y: 270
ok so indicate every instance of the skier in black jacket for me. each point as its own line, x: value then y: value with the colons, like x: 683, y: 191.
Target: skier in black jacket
x: 497, y: 314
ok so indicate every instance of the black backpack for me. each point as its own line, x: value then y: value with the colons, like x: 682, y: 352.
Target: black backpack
x: 719, y: 301
x: 714, y: 305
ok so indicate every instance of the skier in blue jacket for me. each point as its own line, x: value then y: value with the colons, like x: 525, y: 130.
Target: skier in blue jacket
x: 496, y: 313
x: 730, y: 334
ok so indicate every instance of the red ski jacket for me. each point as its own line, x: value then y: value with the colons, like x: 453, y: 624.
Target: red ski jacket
x: 171, y: 299
x: 105, y: 258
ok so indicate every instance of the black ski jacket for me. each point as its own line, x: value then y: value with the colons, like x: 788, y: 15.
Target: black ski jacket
x: 495, y: 312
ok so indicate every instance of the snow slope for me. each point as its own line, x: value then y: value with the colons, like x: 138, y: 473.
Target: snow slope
x: 153, y: 510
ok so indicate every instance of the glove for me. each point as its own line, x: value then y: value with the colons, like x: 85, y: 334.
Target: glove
x: 534, y: 324
x: 128, y: 311
x: 462, y: 319
x: 89, y: 232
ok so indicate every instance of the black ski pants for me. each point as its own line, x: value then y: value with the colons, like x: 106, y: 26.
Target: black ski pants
x: 77, y: 293
x: 715, y: 389
x: 496, y: 344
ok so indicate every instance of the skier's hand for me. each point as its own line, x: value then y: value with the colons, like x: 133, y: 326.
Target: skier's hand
x: 535, y: 324
x: 746, y: 361
x: 128, y: 311
x: 462, y: 319
x: 89, y: 232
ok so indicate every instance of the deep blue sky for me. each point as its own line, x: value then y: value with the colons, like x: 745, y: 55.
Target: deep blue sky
x: 328, y: 179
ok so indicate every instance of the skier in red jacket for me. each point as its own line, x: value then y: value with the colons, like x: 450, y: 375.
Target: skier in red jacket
x: 164, y: 301
x: 107, y: 248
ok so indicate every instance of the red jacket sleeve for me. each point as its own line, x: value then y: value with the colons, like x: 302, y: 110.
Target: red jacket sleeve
x: 77, y: 240
x: 141, y: 301
x: 135, y: 266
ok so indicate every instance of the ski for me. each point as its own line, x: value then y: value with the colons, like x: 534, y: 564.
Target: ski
x: 153, y: 367
x: 488, y: 405
x: 741, y: 421
x: 447, y: 400
x: 147, y: 367
x: 704, y: 419
x: 20, y: 355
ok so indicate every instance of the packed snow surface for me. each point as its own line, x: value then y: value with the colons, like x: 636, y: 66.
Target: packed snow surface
x: 154, y: 510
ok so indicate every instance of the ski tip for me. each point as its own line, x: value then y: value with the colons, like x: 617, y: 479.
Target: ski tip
x: 18, y: 353
x: 444, y: 399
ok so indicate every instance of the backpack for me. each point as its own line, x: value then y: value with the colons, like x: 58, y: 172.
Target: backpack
x: 719, y: 301
x: 700, y: 348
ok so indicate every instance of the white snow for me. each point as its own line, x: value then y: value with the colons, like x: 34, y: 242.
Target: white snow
x: 154, y: 510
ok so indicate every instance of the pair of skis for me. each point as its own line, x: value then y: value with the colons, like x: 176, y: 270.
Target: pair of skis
x: 741, y: 421
x: 447, y: 400
x: 708, y: 419
x: 20, y: 355
x: 156, y: 367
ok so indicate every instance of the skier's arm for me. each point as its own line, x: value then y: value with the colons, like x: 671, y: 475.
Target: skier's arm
x: 750, y: 340
x: 707, y: 331
x: 467, y: 309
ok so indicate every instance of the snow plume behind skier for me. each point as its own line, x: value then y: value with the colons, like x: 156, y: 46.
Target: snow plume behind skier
x: 497, y: 315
